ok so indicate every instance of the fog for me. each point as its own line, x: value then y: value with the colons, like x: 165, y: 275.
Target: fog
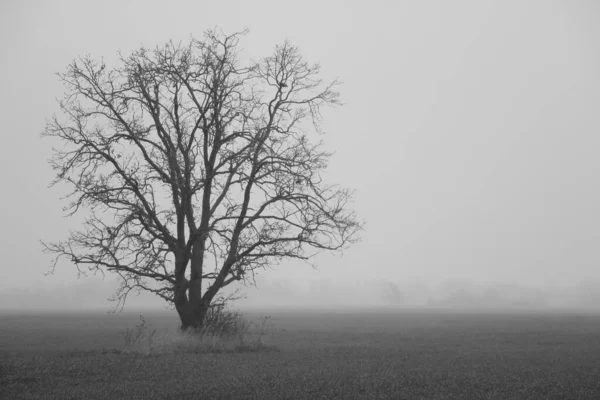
x: 469, y: 131
x: 326, y: 295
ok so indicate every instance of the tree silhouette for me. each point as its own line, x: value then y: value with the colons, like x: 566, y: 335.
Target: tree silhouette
x: 196, y: 171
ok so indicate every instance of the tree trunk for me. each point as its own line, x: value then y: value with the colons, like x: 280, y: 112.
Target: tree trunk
x: 192, y: 309
x: 191, y: 315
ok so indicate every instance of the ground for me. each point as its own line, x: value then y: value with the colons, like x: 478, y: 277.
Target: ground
x: 321, y: 355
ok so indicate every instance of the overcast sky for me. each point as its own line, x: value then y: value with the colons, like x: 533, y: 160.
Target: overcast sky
x: 470, y: 130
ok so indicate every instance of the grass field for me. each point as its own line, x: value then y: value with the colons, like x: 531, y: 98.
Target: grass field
x: 321, y: 355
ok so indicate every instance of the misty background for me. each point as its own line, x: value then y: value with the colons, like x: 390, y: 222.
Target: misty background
x: 470, y: 132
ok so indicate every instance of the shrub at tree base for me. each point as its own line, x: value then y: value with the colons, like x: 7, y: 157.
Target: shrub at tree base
x: 223, y: 332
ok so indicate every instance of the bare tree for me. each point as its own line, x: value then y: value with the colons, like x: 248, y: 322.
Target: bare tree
x: 195, y: 171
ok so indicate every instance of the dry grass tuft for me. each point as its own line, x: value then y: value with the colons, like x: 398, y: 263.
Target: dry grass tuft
x: 223, y: 332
